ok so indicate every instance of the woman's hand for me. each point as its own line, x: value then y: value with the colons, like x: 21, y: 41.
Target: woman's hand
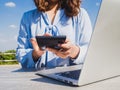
x: 67, y: 50
x: 37, y: 52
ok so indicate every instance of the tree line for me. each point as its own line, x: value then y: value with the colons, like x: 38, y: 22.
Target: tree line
x: 8, y: 55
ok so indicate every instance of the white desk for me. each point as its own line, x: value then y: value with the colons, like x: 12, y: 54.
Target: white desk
x: 13, y: 78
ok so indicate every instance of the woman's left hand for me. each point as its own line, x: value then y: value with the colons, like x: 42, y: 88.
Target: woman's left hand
x: 67, y: 50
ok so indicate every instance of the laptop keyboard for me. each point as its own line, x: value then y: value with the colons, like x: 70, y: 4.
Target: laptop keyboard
x: 70, y: 74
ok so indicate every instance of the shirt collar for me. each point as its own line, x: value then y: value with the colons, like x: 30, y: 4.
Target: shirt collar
x: 58, y: 16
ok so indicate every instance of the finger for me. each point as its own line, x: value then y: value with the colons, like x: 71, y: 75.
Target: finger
x: 47, y: 34
x: 34, y: 44
x: 67, y: 40
x: 58, y: 53
x: 66, y: 46
x: 62, y: 55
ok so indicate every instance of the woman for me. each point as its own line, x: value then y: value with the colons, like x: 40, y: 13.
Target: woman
x: 54, y: 17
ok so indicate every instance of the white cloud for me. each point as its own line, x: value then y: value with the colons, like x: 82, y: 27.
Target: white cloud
x: 13, y: 26
x: 10, y: 4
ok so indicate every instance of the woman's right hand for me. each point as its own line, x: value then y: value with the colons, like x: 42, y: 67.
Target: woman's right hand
x: 37, y: 52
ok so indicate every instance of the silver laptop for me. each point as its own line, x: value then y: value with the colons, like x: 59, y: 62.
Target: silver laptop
x: 103, y: 58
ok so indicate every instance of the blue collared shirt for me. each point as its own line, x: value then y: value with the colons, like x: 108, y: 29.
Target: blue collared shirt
x: 77, y: 29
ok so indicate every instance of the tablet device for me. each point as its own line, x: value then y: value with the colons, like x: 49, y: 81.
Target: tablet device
x: 50, y: 41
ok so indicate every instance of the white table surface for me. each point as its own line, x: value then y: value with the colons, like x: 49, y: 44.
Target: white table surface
x: 12, y: 77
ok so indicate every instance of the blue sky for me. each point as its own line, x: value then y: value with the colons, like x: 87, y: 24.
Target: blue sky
x: 11, y: 12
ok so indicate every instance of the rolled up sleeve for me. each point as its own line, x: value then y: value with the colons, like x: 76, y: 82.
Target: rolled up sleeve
x: 24, y: 49
x: 85, y: 36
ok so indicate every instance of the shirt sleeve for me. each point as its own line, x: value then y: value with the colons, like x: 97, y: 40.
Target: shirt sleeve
x: 84, y: 37
x: 24, y: 49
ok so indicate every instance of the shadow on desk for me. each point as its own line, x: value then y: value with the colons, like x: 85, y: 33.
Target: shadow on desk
x: 51, y: 81
x: 32, y: 77
x: 35, y: 78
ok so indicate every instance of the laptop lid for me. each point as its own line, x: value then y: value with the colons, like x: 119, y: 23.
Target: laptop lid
x: 71, y: 74
x: 102, y: 60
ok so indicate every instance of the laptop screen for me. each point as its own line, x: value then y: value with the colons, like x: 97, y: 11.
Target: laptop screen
x: 92, y: 8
